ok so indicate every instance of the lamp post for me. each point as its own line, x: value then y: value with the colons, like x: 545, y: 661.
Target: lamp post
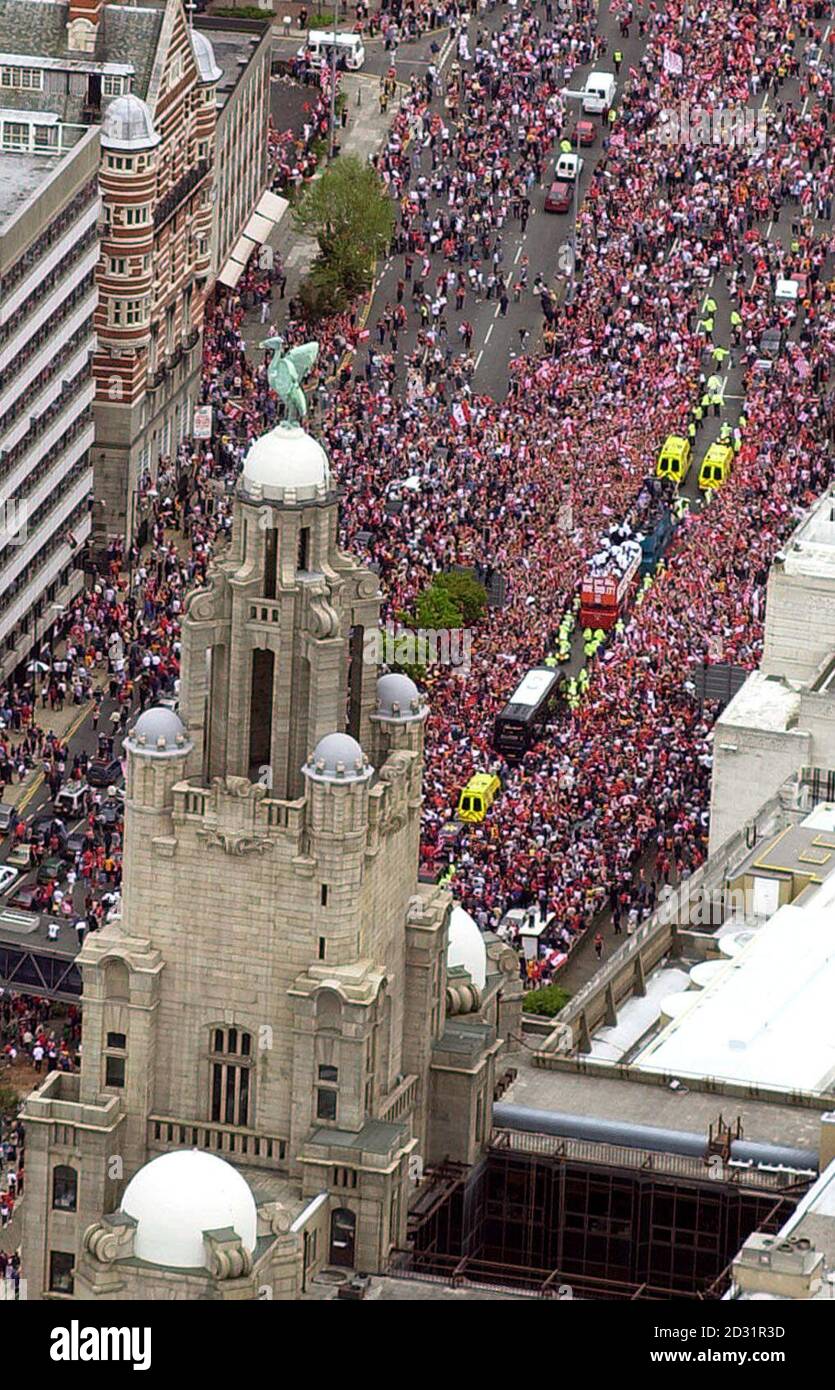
x: 332, y: 51
x: 569, y: 299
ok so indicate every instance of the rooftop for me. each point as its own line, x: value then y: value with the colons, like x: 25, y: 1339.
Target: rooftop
x: 814, y: 1219
x: 233, y: 47
x: 763, y: 702
x: 409, y: 1290
x: 811, y: 548
x: 23, y: 177
x: 608, y: 1097
x: 125, y: 34
x: 766, y: 1018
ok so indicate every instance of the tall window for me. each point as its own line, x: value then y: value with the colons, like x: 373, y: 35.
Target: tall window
x: 64, y: 1188
x: 61, y: 1265
x: 230, y: 1066
x: 327, y: 1092
x: 112, y: 84
x: 115, y: 1060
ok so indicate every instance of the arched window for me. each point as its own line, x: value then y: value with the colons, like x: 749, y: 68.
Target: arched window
x: 230, y: 1064
x: 116, y: 980
x: 64, y: 1188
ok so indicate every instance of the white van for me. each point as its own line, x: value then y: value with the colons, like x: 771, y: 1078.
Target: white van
x: 569, y: 167
x: 351, y: 53
x: 599, y: 91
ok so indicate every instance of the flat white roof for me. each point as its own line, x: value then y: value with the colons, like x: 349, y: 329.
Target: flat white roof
x: 810, y: 550
x: 760, y: 703
x: 532, y: 687
x: 767, y: 1018
x: 822, y: 818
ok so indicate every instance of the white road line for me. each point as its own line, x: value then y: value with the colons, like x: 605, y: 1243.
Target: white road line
x: 478, y: 359
x: 518, y: 254
x: 487, y: 335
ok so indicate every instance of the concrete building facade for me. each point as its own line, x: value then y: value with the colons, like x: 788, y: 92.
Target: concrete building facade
x: 242, y: 50
x: 49, y: 247
x: 280, y: 991
x: 151, y: 84
x: 783, y: 718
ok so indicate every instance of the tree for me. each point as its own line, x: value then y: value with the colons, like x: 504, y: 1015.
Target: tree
x: 547, y: 1001
x: 466, y: 593
x: 349, y: 213
x: 435, y: 609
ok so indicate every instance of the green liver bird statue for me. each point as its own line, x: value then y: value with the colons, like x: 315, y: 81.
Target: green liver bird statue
x: 286, y: 372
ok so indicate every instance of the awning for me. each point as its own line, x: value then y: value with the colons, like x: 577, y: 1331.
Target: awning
x: 266, y: 217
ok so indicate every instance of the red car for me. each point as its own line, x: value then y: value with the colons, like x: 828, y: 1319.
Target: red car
x: 559, y: 196
x: 584, y: 132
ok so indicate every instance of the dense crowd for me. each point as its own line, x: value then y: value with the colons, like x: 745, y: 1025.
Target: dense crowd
x: 623, y: 781
x: 612, y: 801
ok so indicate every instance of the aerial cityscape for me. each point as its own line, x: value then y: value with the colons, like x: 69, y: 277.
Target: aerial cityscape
x: 417, y: 655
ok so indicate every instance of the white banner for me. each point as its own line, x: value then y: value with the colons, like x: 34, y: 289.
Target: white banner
x: 672, y: 62
x: 202, y: 428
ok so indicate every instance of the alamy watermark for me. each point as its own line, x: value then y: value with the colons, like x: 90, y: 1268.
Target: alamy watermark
x: 423, y: 646
x: 735, y: 127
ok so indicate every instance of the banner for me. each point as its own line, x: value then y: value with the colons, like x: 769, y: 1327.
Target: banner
x: 202, y: 427
x: 672, y: 62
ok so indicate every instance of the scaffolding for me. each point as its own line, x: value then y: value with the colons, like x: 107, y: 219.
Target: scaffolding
x: 546, y: 1217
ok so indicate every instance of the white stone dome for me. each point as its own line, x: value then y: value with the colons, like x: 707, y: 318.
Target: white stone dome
x: 159, y: 733
x: 127, y: 125
x: 466, y: 946
x: 178, y: 1196
x: 286, y: 465
x: 204, y: 56
x: 337, y: 758
x: 398, y: 699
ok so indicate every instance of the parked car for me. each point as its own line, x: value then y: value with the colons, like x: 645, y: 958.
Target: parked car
x: 102, y: 772
x: 52, y: 870
x: 24, y: 896
x: 8, y: 877
x: 559, y: 196
x: 8, y: 817
x: 46, y: 824
x: 585, y: 132
x: 76, y: 842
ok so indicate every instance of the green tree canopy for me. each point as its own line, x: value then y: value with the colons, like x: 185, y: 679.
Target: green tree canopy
x: 466, y: 592
x: 349, y: 213
x: 436, y: 609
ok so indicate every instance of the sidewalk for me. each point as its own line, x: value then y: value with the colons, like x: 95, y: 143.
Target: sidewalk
x: 363, y: 135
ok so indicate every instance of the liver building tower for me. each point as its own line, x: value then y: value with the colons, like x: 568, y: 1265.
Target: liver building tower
x: 284, y: 1026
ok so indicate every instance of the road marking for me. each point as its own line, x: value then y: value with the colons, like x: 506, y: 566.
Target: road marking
x: 478, y: 359
x: 518, y: 254
x: 487, y: 335
x: 39, y: 780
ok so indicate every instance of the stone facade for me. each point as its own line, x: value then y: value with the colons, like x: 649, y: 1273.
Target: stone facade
x: 276, y: 990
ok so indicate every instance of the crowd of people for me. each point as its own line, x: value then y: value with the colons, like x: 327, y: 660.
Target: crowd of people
x: 617, y: 789
x: 612, y: 801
